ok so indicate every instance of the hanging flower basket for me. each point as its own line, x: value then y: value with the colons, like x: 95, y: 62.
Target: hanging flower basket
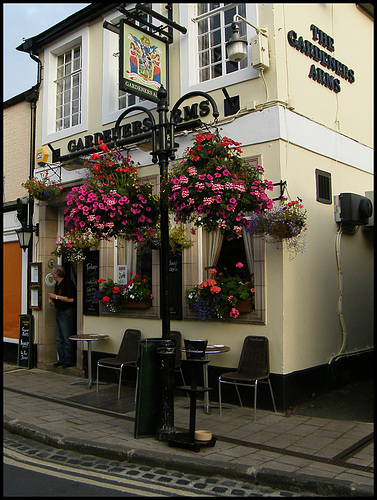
x: 43, y: 189
x: 113, y: 201
x: 72, y: 245
x: 284, y: 223
x: 213, y: 187
x: 220, y: 296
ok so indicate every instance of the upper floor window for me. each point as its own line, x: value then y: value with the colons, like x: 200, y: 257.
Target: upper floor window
x: 214, y: 30
x: 68, y: 88
x: 65, y: 87
x: 206, y: 65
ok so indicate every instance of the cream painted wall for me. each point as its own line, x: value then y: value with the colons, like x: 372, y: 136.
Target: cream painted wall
x: 312, y: 331
x: 352, y: 32
x: 16, y: 150
x: 302, y: 323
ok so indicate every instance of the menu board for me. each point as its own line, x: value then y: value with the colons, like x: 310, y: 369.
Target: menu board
x: 25, y: 341
x: 90, y: 283
x: 175, y: 286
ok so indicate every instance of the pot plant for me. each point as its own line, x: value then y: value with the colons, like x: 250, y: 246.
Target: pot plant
x: 219, y: 297
x: 114, y: 296
x: 177, y: 239
x: 214, y: 188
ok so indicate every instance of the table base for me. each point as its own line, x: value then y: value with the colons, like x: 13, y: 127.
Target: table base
x: 185, y: 440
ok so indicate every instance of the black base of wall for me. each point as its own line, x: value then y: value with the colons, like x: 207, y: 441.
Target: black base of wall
x: 289, y: 390
x: 294, y: 388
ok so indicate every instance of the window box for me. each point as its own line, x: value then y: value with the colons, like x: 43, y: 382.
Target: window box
x: 244, y: 306
x: 137, y: 304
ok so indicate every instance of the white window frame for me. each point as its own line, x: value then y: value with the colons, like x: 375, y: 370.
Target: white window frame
x: 110, y: 86
x: 49, y: 134
x: 189, y: 53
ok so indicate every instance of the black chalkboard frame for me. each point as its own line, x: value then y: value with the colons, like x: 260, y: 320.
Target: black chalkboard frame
x: 25, y: 336
x: 175, y: 283
x: 90, y: 280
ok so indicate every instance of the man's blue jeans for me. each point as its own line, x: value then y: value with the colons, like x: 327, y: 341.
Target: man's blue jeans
x: 64, y: 329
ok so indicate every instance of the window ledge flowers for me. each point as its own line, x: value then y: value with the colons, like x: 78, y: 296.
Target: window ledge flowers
x: 284, y: 223
x: 113, y: 201
x: 213, y: 187
x: 43, y: 189
x: 217, y: 297
x: 73, y: 244
x: 113, y: 296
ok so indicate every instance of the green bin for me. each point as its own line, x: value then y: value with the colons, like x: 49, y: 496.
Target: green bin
x: 149, y: 389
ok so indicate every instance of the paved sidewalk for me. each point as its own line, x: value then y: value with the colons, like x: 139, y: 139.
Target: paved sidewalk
x: 299, y: 453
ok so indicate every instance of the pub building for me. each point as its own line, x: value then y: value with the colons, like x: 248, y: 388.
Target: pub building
x: 300, y: 103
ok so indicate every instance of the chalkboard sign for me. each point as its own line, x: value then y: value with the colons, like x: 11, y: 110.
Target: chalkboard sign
x: 25, y: 341
x: 90, y: 282
x: 175, y: 285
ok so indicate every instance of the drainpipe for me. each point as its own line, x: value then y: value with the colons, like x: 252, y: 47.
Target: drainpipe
x: 341, y: 353
x: 32, y: 97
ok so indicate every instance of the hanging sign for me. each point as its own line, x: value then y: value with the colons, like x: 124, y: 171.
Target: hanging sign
x: 142, y: 62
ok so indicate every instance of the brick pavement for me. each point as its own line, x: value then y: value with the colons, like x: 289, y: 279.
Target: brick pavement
x: 317, y: 455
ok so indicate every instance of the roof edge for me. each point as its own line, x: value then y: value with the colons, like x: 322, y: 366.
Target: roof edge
x: 72, y: 22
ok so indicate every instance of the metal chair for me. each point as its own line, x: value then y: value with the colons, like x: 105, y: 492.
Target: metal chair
x: 176, y: 337
x: 128, y: 355
x: 253, y: 367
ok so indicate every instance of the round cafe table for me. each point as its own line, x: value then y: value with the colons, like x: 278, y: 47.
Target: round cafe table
x: 210, y: 349
x: 89, y: 338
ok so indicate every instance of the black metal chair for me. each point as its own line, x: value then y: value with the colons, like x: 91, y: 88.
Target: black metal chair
x: 253, y: 367
x: 176, y: 337
x: 128, y: 355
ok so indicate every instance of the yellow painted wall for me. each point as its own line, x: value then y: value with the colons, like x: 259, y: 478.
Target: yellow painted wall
x: 16, y: 150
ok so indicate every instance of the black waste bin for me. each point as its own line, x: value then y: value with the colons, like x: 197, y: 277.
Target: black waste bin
x: 149, y: 390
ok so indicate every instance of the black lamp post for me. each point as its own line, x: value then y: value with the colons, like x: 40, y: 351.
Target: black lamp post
x: 163, y: 150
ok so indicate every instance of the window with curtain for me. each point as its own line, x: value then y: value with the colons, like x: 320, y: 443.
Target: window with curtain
x: 224, y: 255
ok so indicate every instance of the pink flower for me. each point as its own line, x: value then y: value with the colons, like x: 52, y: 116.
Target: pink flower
x: 234, y: 312
x: 239, y: 265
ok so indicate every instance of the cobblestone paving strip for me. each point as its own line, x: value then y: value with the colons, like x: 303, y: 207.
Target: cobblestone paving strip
x: 178, y: 482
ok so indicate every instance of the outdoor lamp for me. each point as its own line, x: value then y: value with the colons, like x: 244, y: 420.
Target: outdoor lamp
x: 236, y: 47
x: 24, y: 236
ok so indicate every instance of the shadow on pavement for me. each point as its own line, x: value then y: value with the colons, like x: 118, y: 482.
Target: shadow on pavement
x: 352, y: 402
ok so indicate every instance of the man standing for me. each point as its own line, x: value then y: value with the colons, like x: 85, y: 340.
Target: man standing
x: 64, y: 299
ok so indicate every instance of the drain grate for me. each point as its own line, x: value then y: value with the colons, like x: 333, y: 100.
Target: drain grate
x: 340, y: 461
